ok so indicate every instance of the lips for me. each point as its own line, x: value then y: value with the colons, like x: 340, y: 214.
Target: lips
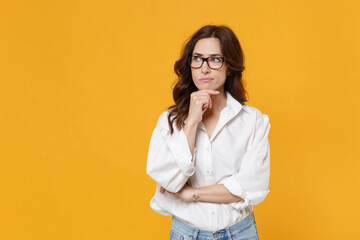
x: 206, y: 79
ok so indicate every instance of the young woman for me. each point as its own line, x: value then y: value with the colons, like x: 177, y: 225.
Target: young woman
x: 209, y: 152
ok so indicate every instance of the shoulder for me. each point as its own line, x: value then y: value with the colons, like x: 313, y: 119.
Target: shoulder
x: 260, y: 123
x: 163, y: 120
x: 255, y: 114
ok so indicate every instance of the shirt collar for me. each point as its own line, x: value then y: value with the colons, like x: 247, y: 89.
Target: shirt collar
x: 233, y: 104
x: 231, y: 109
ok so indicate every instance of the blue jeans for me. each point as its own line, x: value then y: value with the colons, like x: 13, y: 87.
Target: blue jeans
x: 244, y: 230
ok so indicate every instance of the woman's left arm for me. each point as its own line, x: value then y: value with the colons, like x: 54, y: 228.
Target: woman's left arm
x: 217, y: 193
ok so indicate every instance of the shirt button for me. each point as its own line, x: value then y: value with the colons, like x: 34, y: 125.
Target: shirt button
x: 207, y: 148
x: 212, y: 213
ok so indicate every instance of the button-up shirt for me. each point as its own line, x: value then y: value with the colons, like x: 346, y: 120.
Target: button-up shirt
x: 236, y: 155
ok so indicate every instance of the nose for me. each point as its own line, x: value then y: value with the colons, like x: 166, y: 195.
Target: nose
x: 205, y: 67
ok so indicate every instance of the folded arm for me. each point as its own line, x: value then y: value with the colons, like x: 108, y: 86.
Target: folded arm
x: 249, y: 186
x: 217, y: 193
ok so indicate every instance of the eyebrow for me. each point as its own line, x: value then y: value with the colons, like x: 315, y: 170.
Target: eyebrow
x: 214, y: 54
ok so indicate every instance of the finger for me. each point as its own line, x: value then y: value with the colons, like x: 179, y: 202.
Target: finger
x: 200, y: 101
x: 203, y: 96
x: 205, y: 102
x: 204, y: 107
x: 204, y: 93
x: 200, y: 95
x: 213, y: 92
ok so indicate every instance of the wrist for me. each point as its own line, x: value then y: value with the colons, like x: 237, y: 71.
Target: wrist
x: 191, y: 123
x: 190, y: 127
x: 195, y: 195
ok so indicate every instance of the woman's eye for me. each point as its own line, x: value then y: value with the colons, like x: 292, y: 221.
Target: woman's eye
x: 215, y: 59
x: 197, y: 59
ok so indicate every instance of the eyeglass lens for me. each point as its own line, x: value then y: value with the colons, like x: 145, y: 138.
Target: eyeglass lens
x: 213, y: 62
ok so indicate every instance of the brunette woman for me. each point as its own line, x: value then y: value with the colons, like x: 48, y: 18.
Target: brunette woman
x: 209, y: 152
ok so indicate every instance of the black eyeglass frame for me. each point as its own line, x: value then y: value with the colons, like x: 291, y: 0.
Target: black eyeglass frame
x: 206, y: 60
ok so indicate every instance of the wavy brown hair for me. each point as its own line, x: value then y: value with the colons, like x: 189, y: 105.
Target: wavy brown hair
x: 234, y: 59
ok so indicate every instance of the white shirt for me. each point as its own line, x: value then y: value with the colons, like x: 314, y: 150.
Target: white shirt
x: 237, y: 155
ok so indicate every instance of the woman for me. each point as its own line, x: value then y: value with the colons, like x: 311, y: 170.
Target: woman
x: 209, y: 153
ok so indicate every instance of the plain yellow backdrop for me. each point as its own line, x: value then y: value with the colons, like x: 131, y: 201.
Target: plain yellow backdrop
x: 82, y: 84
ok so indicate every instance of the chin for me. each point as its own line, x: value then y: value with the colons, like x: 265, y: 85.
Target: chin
x: 206, y: 88
x: 203, y: 86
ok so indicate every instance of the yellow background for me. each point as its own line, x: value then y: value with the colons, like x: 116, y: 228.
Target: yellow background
x: 82, y: 84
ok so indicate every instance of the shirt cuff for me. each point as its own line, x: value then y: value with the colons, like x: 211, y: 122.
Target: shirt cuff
x: 179, y: 147
x: 155, y: 206
x: 236, y: 189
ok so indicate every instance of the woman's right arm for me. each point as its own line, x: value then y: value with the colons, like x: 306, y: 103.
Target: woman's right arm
x: 190, y: 133
x: 170, y: 160
x: 200, y: 101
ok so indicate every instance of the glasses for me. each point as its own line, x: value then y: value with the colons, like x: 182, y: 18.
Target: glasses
x: 212, y: 62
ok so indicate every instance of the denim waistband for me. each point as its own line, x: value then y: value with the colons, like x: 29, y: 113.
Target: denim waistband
x: 182, y: 227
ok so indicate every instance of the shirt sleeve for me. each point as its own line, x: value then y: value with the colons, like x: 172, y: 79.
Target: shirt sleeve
x: 170, y: 162
x: 252, y: 180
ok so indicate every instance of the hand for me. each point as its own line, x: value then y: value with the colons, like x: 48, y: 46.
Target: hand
x: 186, y: 193
x: 200, y: 101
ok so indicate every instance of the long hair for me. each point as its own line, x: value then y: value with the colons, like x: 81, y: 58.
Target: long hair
x: 231, y: 50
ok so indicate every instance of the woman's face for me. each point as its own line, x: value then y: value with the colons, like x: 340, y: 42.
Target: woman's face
x: 205, y: 77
